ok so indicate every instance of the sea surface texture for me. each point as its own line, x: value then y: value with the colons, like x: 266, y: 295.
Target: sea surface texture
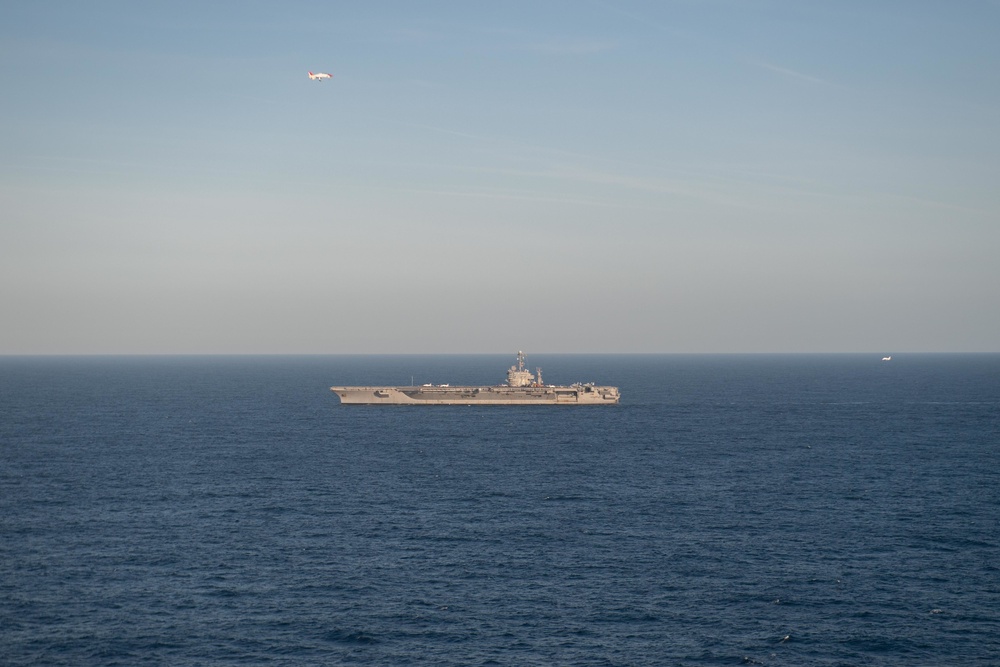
x: 757, y: 510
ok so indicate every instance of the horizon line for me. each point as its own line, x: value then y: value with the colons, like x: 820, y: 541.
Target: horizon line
x: 468, y: 354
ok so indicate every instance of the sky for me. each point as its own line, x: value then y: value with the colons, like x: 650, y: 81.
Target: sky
x: 668, y: 176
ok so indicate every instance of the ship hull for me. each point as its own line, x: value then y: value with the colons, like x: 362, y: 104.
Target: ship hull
x: 499, y: 395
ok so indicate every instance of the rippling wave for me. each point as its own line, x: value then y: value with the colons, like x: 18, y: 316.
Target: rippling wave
x: 766, y: 510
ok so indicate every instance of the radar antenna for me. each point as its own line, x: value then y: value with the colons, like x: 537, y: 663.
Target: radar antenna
x: 517, y: 376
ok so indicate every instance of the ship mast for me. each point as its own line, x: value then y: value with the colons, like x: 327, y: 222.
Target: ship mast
x: 517, y: 376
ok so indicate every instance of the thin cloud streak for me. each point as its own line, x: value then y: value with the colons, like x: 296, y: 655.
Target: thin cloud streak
x: 790, y: 72
x: 518, y: 196
x: 569, y: 47
x: 644, y: 20
x: 714, y: 188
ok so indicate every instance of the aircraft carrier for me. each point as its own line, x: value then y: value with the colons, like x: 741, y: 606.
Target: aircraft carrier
x: 522, y: 388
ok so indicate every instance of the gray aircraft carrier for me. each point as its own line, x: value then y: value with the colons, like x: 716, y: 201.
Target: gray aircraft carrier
x: 522, y: 388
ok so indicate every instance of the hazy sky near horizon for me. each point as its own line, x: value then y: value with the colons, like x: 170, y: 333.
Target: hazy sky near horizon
x: 554, y: 176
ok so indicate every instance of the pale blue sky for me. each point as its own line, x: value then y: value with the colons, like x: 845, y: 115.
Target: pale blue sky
x: 578, y: 176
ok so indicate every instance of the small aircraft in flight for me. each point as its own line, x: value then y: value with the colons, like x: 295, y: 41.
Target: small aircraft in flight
x: 319, y: 76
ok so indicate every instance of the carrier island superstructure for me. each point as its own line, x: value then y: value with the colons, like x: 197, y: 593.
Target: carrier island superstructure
x: 522, y: 388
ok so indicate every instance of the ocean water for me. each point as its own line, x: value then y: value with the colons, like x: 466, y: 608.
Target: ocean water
x: 733, y: 510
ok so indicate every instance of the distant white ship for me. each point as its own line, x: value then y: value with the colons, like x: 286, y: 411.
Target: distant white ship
x: 889, y: 358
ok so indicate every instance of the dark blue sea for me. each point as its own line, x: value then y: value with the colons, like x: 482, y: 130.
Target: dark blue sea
x: 732, y: 510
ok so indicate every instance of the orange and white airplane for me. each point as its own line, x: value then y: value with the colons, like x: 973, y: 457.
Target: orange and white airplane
x: 319, y: 76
